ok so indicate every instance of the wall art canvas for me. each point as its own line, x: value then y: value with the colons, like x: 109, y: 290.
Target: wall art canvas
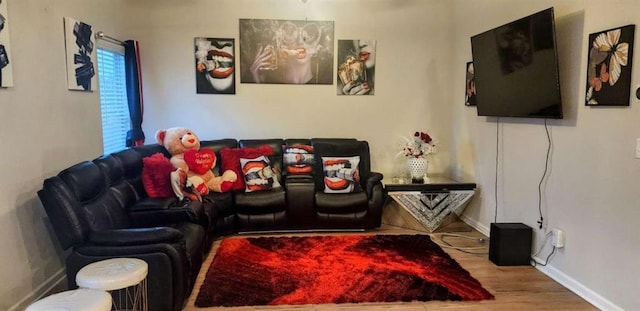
x: 286, y: 51
x: 6, y: 69
x: 356, y: 67
x: 609, y: 67
x: 470, y: 92
x: 215, y: 66
x: 81, y: 55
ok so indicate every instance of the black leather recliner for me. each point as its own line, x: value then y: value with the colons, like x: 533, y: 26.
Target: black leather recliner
x: 93, y: 206
x: 263, y: 210
x: 361, y: 209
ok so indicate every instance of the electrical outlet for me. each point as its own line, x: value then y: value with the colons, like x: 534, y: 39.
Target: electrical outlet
x: 557, y: 238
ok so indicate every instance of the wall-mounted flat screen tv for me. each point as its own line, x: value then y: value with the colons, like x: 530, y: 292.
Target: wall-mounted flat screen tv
x: 516, y: 69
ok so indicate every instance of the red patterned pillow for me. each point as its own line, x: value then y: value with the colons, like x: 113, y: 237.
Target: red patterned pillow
x: 231, y: 160
x: 341, y: 174
x: 258, y: 174
x: 298, y: 159
x: 156, y: 176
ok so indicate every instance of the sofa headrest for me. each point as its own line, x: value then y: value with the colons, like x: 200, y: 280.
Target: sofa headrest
x: 111, y: 168
x: 275, y: 143
x: 151, y: 149
x: 218, y: 144
x: 131, y: 162
x: 294, y: 141
x: 85, y: 180
x: 96, y: 204
x: 341, y: 148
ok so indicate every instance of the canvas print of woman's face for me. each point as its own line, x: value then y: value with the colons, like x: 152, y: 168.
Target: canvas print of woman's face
x: 286, y: 51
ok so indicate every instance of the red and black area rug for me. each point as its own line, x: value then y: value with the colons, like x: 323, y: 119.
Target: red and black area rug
x: 334, y: 269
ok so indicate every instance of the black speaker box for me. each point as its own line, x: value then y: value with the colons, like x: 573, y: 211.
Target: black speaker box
x: 510, y: 244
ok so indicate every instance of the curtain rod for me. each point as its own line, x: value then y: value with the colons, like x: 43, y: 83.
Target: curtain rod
x: 103, y: 36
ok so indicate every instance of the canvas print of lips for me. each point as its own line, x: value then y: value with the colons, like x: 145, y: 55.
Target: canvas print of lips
x: 286, y: 51
x: 215, y: 66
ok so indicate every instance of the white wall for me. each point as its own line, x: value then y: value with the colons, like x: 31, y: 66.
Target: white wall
x: 44, y: 128
x: 591, y: 192
x: 592, y: 189
x: 411, y: 74
x: 48, y: 128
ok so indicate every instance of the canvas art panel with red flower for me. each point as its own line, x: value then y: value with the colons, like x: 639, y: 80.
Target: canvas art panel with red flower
x: 470, y: 87
x: 609, y: 67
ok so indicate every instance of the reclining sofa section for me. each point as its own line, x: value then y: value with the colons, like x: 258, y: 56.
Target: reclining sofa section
x: 100, y: 208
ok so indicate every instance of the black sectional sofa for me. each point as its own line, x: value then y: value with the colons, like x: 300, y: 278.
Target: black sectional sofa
x: 101, y: 210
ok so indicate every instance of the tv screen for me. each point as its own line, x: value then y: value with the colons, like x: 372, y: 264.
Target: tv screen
x: 516, y: 69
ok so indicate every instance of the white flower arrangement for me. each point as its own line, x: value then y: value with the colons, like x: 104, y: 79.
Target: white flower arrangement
x: 419, y: 146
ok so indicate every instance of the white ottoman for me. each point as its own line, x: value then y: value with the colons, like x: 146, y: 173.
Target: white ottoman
x: 77, y: 300
x: 124, y: 278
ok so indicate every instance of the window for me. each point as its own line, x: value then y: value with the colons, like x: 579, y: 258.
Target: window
x: 113, y: 98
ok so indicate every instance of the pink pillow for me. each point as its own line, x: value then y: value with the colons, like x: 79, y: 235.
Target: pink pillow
x: 156, y: 176
x: 231, y: 161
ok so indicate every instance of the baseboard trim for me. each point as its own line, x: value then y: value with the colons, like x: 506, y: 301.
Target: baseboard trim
x: 476, y: 225
x: 584, y: 292
x: 571, y: 284
x: 41, y: 291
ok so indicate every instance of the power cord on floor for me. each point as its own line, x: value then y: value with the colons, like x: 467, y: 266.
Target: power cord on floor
x: 546, y: 261
x: 464, y: 249
x: 544, y: 243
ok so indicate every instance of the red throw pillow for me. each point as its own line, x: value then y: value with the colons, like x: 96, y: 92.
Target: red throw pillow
x: 231, y: 160
x: 156, y: 176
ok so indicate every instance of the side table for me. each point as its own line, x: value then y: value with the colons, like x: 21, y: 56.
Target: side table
x: 427, y: 206
x: 77, y: 300
x: 124, y: 278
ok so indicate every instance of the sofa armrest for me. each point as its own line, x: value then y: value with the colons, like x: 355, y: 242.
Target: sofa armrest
x: 160, y: 212
x: 139, y: 236
x: 374, y: 179
x: 376, y: 196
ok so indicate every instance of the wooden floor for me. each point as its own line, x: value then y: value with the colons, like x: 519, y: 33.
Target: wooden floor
x: 514, y: 288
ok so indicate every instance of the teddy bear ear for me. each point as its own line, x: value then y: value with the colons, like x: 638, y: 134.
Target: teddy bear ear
x: 160, y: 134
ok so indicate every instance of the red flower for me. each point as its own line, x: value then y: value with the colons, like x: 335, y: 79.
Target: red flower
x: 425, y: 137
x: 420, y: 145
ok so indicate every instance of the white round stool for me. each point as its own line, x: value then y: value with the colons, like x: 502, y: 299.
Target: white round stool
x: 124, y: 278
x: 77, y: 300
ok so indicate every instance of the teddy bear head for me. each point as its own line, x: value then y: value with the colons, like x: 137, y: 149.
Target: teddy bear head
x: 177, y: 140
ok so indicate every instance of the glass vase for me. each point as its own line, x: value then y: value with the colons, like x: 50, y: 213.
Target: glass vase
x: 417, y: 169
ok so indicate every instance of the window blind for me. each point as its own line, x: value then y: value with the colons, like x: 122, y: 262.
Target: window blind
x: 113, y: 99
